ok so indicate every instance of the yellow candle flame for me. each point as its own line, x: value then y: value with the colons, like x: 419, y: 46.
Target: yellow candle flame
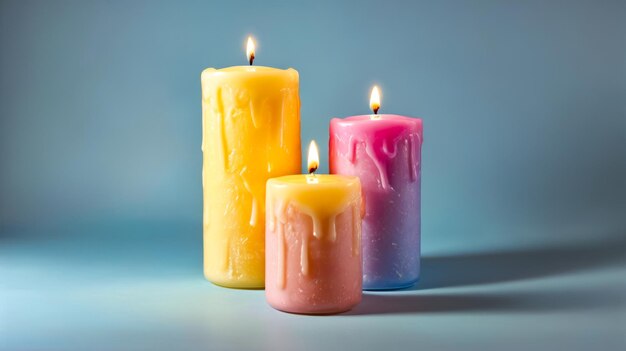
x: 250, y: 50
x: 314, y: 157
x: 375, y: 99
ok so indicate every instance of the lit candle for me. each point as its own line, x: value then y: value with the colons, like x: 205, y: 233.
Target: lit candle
x: 250, y: 133
x: 384, y: 151
x: 313, y: 235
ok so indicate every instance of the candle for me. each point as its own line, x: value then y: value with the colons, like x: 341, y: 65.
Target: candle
x: 250, y: 133
x: 313, y: 251
x: 384, y: 151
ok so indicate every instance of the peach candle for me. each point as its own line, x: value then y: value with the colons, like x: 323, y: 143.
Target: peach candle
x: 313, y: 242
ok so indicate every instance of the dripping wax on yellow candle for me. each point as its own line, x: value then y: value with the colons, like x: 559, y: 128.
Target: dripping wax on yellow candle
x: 313, y: 253
x: 250, y: 133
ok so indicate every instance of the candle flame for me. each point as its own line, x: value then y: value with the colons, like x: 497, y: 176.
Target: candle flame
x: 314, y: 157
x: 250, y: 50
x: 375, y: 99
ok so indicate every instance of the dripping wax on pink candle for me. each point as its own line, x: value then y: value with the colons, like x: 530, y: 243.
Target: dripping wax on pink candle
x: 384, y: 151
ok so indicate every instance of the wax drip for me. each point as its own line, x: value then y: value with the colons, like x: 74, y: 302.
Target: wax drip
x: 281, y: 127
x: 411, y: 156
x: 390, y: 150
x: 304, y: 255
x: 332, y: 228
x: 253, y: 211
x: 352, y: 143
x: 369, y: 150
x: 322, y: 228
x: 356, y: 224
x: 382, y: 172
x: 271, y: 221
x: 386, y: 149
x: 282, y: 261
x: 317, y: 226
x: 222, y: 122
x: 278, y: 220
x: 268, y: 152
x: 253, y: 114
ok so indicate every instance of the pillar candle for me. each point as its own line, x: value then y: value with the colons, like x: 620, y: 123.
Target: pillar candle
x: 250, y: 133
x: 384, y: 151
x: 313, y: 251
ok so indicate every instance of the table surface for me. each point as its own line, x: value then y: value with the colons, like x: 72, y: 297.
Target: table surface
x: 135, y: 287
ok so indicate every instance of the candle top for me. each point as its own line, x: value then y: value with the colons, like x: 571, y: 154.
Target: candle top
x: 250, y: 71
x: 316, y: 181
x: 322, y: 196
x: 379, y: 123
x: 381, y: 137
x: 257, y: 78
x: 326, y: 191
x: 246, y: 69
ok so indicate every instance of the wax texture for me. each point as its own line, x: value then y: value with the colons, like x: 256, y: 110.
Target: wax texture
x: 313, y: 244
x: 384, y: 151
x: 250, y: 133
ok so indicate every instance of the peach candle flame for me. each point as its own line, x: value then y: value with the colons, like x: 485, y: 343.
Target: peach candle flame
x: 250, y: 50
x: 314, y: 157
x: 375, y: 99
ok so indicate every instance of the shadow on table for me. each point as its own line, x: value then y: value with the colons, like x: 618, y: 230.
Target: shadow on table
x: 512, y: 265
x: 502, y: 266
x: 374, y: 304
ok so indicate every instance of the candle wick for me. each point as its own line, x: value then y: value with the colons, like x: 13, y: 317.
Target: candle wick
x: 251, y: 59
x: 312, y: 171
x: 376, y: 110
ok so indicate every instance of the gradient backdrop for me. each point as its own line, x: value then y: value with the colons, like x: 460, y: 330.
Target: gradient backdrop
x: 524, y: 169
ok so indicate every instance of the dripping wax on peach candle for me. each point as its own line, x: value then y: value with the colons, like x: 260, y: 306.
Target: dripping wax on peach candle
x: 313, y: 241
x: 250, y: 133
x: 384, y: 151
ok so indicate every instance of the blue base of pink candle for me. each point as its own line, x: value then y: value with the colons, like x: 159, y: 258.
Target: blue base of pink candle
x: 390, y: 286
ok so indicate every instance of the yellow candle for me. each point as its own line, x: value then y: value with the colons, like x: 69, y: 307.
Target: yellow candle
x: 250, y: 133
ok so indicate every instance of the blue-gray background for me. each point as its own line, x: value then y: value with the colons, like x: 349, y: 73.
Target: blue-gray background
x: 524, y: 159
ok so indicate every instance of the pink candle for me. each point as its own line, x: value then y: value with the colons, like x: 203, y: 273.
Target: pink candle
x: 313, y: 259
x: 384, y: 151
